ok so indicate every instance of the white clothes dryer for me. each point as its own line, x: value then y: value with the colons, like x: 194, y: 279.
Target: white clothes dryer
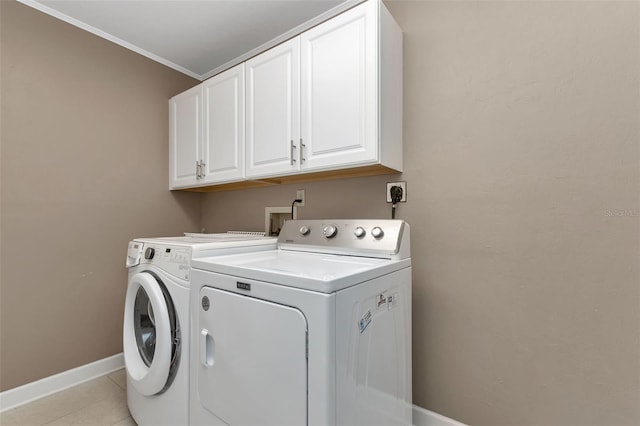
x: 156, y: 320
x: 315, y: 332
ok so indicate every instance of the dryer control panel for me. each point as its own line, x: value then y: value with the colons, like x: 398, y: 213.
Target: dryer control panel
x: 356, y: 237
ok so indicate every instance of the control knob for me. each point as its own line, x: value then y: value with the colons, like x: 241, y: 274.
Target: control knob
x: 377, y: 232
x: 304, y: 230
x: 330, y: 231
x: 149, y: 253
x: 359, y: 232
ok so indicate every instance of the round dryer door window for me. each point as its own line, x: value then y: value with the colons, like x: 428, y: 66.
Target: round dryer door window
x: 148, y: 335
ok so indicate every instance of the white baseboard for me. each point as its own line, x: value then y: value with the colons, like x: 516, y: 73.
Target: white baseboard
x: 424, y: 417
x: 39, y: 389
x: 35, y: 390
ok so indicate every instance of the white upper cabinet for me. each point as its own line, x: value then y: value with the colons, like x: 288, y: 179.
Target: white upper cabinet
x: 350, y: 98
x: 339, y: 90
x: 185, y: 138
x: 207, y: 127
x: 327, y: 100
x: 223, y: 127
x: 273, y: 111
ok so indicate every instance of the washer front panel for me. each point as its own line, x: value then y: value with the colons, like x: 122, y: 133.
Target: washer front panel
x: 148, y: 366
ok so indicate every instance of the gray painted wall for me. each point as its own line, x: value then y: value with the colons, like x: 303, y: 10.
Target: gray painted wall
x: 522, y: 130
x: 84, y: 170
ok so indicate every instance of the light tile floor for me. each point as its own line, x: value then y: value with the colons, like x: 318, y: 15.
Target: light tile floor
x: 99, y: 402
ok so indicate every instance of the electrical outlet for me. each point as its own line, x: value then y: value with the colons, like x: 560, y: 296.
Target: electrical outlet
x: 300, y: 196
x: 402, y: 185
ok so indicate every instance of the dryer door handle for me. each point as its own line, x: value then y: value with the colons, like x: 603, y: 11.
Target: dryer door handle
x: 207, y: 346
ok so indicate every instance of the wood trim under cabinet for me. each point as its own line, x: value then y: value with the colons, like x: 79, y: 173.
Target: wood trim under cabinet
x: 374, y: 170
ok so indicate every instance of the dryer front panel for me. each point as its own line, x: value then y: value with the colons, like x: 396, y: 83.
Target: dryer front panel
x: 252, y: 360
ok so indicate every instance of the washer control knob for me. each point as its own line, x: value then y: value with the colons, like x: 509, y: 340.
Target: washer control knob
x: 359, y: 232
x: 330, y: 231
x: 304, y: 230
x: 149, y: 253
x: 377, y: 232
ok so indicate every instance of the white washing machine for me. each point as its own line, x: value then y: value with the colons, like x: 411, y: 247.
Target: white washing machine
x: 156, y: 320
x: 315, y: 332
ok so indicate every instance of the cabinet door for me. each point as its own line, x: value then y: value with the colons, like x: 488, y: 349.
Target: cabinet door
x: 184, y: 138
x: 339, y: 75
x: 223, y: 127
x: 272, y: 106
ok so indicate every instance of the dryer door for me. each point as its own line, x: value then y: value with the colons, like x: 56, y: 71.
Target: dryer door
x: 253, y: 364
x: 148, y: 335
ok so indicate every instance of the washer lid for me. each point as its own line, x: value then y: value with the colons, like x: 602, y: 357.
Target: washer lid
x: 325, y: 273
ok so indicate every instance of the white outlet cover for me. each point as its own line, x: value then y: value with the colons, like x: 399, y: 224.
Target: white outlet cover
x: 403, y: 185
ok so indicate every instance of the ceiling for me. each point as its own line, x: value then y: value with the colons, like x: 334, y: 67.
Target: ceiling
x: 197, y: 37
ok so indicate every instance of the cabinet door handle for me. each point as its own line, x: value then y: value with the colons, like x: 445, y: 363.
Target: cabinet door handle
x: 302, y: 146
x: 197, y: 169
x: 293, y: 159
